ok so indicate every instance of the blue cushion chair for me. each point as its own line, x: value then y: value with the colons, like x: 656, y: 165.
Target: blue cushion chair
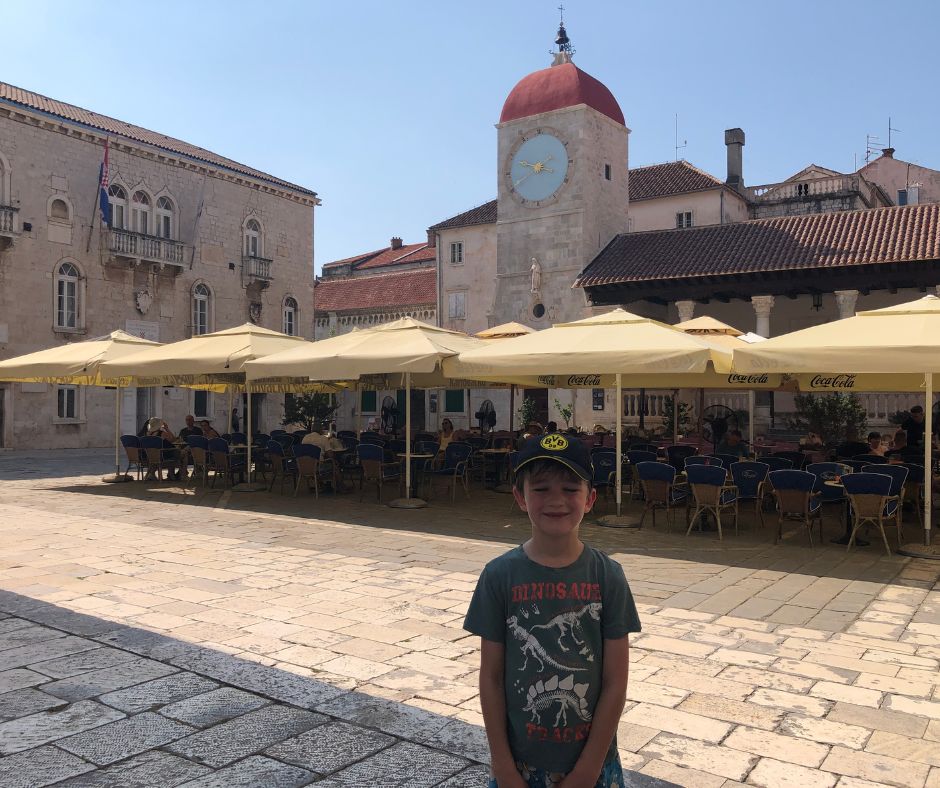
x: 660, y: 490
x: 375, y: 470
x: 711, y: 493
x: 750, y: 479
x: 796, y: 500
x: 455, y: 467
x: 872, y: 503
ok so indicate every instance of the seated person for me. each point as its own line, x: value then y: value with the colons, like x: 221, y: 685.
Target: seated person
x: 551, y: 427
x: 874, y: 444
x: 732, y: 443
x: 913, y: 426
x: 190, y: 428
x: 325, y: 443
x: 169, y: 453
x: 811, y: 442
x: 207, y: 429
x: 899, y: 445
x: 446, y: 435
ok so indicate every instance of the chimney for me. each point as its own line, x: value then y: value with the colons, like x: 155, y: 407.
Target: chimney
x: 432, y: 239
x: 396, y: 243
x: 888, y: 153
x: 734, y: 140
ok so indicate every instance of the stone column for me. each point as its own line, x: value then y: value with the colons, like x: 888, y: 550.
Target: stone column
x: 762, y: 400
x: 762, y: 308
x: 686, y: 309
x: 846, y: 300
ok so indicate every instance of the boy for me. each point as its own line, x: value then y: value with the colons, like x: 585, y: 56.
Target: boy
x: 554, y: 616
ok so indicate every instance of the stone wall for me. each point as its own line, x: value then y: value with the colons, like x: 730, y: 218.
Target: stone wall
x: 49, y: 161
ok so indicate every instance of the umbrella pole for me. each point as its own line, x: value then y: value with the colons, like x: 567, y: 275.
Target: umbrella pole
x: 118, y: 476
x: 928, y: 458
x: 231, y: 393
x: 618, y: 520
x: 408, y: 502
x: 247, y: 486
x: 675, y: 415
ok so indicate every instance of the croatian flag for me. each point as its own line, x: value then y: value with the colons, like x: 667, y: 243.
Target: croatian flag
x: 103, y: 203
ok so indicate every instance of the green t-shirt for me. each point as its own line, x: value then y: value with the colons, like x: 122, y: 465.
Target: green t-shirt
x: 553, y: 623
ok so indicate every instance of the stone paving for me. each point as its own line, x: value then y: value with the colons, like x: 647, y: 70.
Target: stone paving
x: 151, y: 635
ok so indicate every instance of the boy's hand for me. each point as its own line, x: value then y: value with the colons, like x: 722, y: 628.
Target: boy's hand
x: 578, y: 779
x: 510, y: 779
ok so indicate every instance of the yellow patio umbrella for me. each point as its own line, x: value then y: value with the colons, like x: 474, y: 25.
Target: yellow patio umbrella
x: 406, y: 347
x: 504, y: 331
x: 207, y: 360
x: 80, y: 364
x: 898, y: 340
x: 617, y: 342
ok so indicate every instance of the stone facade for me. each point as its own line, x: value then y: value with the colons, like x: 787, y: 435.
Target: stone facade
x: 134, y: 281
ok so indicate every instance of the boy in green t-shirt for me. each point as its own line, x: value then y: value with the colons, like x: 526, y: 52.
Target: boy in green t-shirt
x: 554, y: 616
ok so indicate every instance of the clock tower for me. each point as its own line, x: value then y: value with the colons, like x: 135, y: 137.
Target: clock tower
x: 563, y: 191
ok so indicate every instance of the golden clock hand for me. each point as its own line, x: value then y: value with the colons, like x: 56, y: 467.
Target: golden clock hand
x: 525, y: 164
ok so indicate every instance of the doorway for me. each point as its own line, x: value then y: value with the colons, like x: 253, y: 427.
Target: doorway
x: 257, y: 400
x: 145, y: 404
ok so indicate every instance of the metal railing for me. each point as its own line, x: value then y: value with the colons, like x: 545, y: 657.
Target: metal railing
x: 257, y: 267
x: 124, y: 243
x: 8, y: 219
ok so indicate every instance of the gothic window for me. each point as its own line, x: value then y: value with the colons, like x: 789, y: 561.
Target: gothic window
x: 118, y: 199
x: 253, y: 240
x: 290, y: 316
x: 140, y: 213
x: 201, y: 301
x: 164, y: 217
x: 67, y: 303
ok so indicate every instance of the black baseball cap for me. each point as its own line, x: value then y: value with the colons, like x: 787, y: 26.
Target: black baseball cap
x: 567, y: 450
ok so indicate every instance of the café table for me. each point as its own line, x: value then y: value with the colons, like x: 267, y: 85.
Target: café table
x: 418, y: 463
x: 498, y: 458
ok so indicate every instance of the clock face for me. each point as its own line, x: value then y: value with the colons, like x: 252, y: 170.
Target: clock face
x: 539, y: 168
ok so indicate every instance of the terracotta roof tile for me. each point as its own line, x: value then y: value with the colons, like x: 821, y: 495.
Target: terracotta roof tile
x: 787, y: 243
x: 482, y: 214
x: 405, y: 288
x: 408, y: 253
x: 14, y: 95
x: 674, y: 177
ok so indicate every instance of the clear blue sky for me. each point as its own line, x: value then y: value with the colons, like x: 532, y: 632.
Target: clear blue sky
x: 387, y: 110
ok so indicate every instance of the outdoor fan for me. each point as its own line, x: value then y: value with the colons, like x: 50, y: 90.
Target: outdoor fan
x: 486, y: 415
x: 716, y: 421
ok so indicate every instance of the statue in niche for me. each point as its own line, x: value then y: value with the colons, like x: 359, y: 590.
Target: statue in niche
x: 254, y: 311
x: 535, y: 273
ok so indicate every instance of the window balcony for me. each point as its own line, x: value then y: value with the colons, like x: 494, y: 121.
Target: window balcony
x: 257, y: 270
x: 8, y: 231
x: 136, y: 248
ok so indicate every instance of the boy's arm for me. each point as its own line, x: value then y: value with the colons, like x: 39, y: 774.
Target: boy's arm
x: 606, y: 717
x: 493, y: 703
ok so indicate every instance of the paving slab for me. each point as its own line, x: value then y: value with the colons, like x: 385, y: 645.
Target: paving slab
x: 124, y: 738
x: 330, y: 747
x: 47, y: 726
x: 40, y: 766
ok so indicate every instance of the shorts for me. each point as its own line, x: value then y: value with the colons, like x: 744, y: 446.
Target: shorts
x: 611, y: 776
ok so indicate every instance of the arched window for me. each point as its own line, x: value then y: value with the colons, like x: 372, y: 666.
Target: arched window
x: 165, y: 217
x: 253, y: 241
x: 118, y: 199
x: 59, y: 209
x: 290, y: 316
x: 201, y: 297
x: 140, y: 213
x: 67, y: 296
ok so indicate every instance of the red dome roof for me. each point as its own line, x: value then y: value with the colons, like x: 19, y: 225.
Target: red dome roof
x: 556, y: 87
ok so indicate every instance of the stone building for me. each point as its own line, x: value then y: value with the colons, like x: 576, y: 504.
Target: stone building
x: 369, y: 289
x: 197, y: 242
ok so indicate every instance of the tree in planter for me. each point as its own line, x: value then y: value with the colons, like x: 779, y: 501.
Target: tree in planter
x: 685, y: 416
x: 526, y: 412
x: 313, y: 411
x: 834, y: 417
x: 565, y: 411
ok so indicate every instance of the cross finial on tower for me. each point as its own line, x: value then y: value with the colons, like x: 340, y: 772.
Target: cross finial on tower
x: 565, y: 50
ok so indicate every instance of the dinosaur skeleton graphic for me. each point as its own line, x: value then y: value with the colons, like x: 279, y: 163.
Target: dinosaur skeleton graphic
x: 570, y: 623
x: 567, y: 694
x: 532, y: 648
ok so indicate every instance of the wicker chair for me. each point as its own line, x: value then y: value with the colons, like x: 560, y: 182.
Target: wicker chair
x: 711, y: 493
x: 660, y: 490
x: 872, y: 502
x: 796, y: 500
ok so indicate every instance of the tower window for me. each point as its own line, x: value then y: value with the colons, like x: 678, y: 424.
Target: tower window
x: 683, y: 219
x: 607, y: 172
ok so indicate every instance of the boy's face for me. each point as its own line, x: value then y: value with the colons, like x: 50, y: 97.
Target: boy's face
x: 555, y: 502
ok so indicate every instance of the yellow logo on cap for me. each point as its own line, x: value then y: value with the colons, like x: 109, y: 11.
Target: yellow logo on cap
x: 554, y: 442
